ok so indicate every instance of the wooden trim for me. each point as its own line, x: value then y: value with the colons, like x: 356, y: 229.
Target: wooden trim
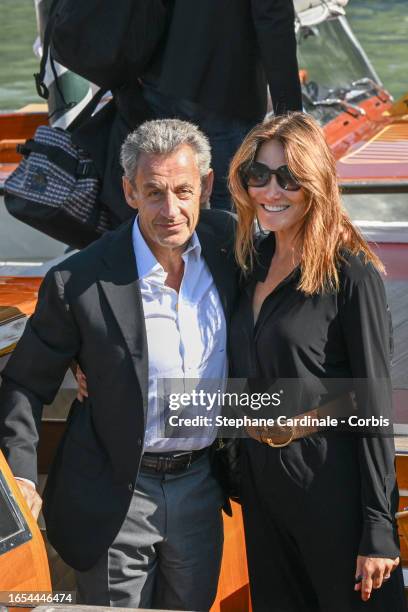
x: 26, y: 567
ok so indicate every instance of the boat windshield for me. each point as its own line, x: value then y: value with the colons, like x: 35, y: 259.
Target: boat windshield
x: 333, y: 59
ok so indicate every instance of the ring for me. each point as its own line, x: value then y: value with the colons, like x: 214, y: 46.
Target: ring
x: 386, y: 578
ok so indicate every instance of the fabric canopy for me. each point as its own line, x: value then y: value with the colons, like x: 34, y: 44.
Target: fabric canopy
x: 313, y: 12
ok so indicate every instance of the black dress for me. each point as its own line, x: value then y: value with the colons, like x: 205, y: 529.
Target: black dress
x: 311, y: 507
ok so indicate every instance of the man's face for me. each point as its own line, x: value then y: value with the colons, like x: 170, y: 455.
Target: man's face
x: 167, y: 191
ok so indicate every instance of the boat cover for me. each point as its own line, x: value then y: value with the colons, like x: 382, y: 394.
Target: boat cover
x: 313, y: 12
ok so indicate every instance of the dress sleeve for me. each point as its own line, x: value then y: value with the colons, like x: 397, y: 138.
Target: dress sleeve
x: 366, y: 327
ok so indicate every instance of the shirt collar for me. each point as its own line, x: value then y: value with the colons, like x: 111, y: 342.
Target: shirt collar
x: 265, y: 247
x: 193, y: 247
x: 146, y: 261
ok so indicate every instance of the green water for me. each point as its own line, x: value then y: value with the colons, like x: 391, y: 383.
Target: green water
x: 18, y: 31
x: 380, y: 25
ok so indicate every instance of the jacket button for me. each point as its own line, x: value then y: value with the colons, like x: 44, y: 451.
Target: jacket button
x: 130, y: 486
x: 139, y: 441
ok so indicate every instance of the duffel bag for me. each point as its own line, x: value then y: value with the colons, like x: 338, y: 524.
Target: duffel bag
x: 55, y: 189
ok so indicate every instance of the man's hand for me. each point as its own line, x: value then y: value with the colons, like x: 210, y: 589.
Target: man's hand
x: 31, y: 496
x: 371, y: 572
x: 82, y: 385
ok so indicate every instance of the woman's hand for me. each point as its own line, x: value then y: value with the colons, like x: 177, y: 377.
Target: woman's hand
x: 82, y: 385
x: 371, y: 572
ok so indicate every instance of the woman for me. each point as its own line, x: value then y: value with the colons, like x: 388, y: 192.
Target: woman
x: 318, y: 505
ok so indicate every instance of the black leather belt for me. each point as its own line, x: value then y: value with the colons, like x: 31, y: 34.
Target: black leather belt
x: 170, y: 463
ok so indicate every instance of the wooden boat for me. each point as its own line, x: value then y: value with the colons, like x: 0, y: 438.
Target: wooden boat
x: 368, y: 134
x: 23, y: 559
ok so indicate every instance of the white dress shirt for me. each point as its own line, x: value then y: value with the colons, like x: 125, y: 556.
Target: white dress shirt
x: 186, y: 338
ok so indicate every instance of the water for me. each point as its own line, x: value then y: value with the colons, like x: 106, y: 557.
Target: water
x: 382, y: 29
x: 18, y: 31
x: 380, y: 25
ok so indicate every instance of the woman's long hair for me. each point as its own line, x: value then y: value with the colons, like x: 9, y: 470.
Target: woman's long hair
x: 327, y: 229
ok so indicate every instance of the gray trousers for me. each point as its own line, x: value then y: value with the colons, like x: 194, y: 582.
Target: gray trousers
x: 168, y: 551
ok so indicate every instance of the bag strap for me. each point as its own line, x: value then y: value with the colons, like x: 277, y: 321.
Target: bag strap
x: 41, y: 87
x: 79, y: 169
x: 39, y: 77
x: 87, y: 111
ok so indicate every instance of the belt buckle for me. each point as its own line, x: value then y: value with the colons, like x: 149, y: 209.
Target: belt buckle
x: 190, y: 460
x: 269, y: 441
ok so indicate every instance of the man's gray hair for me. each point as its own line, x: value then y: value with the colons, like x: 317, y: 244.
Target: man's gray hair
x: 162, y: 137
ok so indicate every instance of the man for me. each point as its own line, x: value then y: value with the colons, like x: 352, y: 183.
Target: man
x: 214, y: 68
x: 137, y: 515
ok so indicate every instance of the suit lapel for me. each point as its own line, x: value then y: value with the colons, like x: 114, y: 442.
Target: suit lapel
x: 214, y: 254
x: 119, y: 281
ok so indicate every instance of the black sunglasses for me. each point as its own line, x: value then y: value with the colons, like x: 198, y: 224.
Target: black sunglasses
x: 259, y: 175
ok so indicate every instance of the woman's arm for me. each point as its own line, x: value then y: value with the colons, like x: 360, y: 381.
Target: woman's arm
x: 367, y: 334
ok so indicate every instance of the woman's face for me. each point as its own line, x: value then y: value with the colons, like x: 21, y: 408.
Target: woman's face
x: 276, y: 209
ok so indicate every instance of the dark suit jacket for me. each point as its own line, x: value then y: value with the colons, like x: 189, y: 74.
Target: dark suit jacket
x: 90, y: 309
x: 222, y: 53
